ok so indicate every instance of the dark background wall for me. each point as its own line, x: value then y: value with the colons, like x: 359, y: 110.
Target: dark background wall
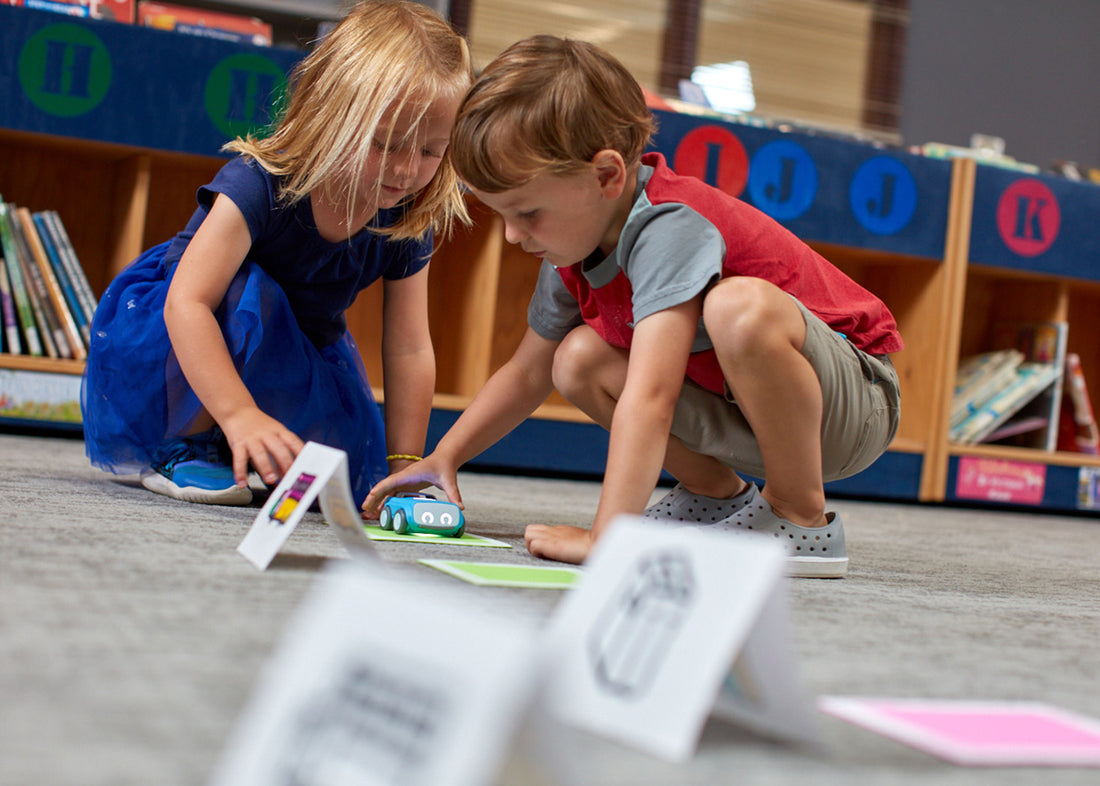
x: 1024, y: 70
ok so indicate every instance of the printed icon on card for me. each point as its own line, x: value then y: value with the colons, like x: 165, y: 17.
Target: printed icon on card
x: 289, y: 499
x: 401, y: 714
x: 639, y: 624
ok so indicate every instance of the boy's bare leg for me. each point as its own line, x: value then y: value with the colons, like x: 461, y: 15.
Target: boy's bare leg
x: 758, y: 332
x: 591, y: 374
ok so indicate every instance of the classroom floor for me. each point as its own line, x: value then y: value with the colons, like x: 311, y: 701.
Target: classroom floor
x: 131, y: 631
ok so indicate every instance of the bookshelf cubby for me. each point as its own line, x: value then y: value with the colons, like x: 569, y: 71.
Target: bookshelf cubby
x: 919, y: 232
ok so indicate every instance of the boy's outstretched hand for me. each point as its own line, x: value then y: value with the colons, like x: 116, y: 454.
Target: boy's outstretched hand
x: 562, y: 543
x: 428, y: 472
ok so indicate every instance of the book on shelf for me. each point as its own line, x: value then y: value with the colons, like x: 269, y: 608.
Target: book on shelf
x: 12, y: 344
x: 62, y: 275
x: 1030, y: 380
x: 1012, y: 394
x: 18, y: 286
x: 68, y: 261
x: 51, y: 299
x: 115, y: 10
x: 1078, y: 431
x: 49, y: 326
x: 67, y: 330
x: 979, y: 378
x: 1041, y: 342
x: 201, y: 22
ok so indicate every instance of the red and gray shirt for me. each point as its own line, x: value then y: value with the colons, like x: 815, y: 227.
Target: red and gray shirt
x: 680, y: 238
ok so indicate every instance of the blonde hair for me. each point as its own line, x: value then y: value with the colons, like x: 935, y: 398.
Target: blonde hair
x: 384, y: 58
x: 547, y: 105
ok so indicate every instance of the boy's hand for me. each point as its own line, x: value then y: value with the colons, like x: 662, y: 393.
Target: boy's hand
x: 561, y: 543
x: 429, y: 472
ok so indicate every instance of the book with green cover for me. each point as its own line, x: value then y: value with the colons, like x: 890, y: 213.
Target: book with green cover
x: 18, y: 285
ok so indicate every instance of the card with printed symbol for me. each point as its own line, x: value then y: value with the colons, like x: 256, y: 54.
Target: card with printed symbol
x: 319, y: 472
x: 423, y: 688
x: 669, y: 626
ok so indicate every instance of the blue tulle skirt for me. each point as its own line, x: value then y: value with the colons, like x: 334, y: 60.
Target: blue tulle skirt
x: 134, y: 395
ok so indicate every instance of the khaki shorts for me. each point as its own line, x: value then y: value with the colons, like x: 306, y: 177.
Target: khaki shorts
x: 862, y: 407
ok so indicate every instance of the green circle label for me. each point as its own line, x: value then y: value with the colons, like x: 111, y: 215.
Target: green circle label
x: 244, y: 93
x: 65, y: 70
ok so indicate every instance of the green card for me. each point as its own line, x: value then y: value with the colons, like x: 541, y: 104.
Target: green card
x: 375, y: 532
x: 499, y: 574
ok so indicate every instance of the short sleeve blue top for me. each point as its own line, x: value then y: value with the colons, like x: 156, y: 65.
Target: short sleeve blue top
x: 321, y: 279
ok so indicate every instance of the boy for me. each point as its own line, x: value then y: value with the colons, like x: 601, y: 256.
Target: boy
x: 703, y: 335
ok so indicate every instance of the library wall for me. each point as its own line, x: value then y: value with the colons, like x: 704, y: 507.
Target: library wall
x: 1018, y: 69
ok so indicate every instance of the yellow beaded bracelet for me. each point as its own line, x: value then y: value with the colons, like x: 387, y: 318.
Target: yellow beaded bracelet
x: 403, y: 457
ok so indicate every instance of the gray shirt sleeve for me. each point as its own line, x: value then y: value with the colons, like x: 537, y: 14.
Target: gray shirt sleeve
x: 553, y: 311
x: 674, y: 255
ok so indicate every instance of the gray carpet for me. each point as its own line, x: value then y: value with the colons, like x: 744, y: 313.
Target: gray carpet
x: 132, y: 631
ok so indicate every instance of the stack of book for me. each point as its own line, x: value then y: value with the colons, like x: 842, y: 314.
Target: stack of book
x: 993, y: 390
x: 45, y: 300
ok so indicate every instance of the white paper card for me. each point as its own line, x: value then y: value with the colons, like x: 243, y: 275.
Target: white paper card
x: 318, y: 470
x: 382, y: 678
x: 644, y: 645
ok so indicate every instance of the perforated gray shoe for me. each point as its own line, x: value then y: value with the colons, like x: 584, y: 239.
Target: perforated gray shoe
x: 812, y: 552
x: 681, y: 505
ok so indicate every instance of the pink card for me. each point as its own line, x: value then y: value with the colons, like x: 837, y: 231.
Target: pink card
x: 978, y: 733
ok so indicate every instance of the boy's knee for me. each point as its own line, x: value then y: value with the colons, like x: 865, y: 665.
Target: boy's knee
x: 742, y: 312
x: 577, y: 354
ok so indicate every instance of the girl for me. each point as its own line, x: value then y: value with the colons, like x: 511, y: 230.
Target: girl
x: 228, y: 344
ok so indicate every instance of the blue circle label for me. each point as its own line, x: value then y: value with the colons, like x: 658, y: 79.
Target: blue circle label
x: 883, y: 195
x: 783, y: 179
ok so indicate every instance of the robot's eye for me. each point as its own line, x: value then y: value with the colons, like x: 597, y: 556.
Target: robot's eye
x: 446, y: 519
x: 428, y: 517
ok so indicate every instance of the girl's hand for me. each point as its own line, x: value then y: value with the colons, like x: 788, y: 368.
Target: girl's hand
x: 561, y: 543
x: 265, y: 442
x: 431, y: 471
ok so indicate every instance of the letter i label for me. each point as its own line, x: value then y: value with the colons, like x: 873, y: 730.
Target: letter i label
x: 65, y: 70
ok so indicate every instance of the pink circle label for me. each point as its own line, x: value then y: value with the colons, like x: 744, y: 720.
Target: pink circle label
x: 1028, y: 217
x: 715, y: 156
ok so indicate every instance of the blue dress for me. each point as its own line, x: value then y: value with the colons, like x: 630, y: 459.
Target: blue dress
x: 283, y: 322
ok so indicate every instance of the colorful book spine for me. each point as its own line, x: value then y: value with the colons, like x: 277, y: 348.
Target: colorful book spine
x: 12, y: 344
x: 20, y: 293
x: 1087, y: 434
x: 49, y: 329
x: 72, y: 302
x: 72, y: 265
x: 66, y: 332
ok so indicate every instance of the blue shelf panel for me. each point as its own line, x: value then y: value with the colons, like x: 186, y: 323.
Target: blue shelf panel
x: 1037, y: 223
x: 563, y: 447
x: 821, y: 188
x: 894, y: 475
x: 110, y: 82
x: 1027, y: 484
x: 537, y: 445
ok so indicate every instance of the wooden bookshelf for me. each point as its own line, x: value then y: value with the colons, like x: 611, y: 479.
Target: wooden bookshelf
x: 943, y: 270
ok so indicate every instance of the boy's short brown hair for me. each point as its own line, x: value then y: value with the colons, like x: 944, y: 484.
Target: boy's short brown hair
x: 547, y: 105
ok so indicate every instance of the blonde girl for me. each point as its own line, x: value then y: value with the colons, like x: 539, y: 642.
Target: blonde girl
x: 226, y: 347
